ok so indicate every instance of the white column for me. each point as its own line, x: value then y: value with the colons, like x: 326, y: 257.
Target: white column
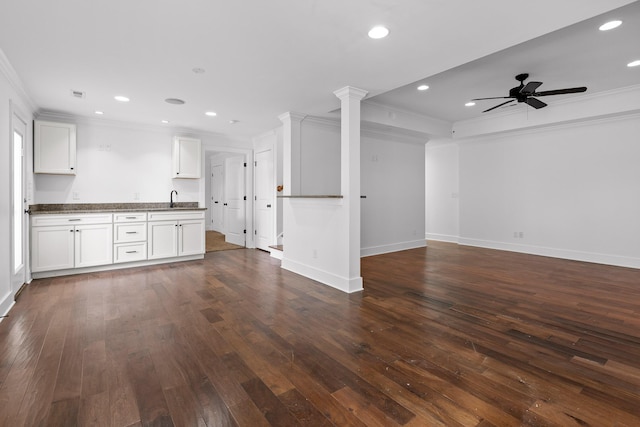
x: 350, y: 98
x: 291, y: 143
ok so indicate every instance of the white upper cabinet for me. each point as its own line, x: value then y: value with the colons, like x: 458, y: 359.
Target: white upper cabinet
x: 186, y: 157
x: 54, y: 148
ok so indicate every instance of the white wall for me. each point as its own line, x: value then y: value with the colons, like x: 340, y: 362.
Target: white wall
x: 442, y: 190
x: 319, y: 157
x: 114, y: 162
x: 393, y: 212
x: 10, y: 93
x: 571, y: 190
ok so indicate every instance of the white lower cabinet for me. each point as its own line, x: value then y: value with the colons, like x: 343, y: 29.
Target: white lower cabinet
x: 61, y: 242
x: 173, y: 234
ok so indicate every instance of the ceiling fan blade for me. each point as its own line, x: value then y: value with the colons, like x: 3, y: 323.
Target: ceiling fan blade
x: 530, y: 87
x: 495, y: 97
x: 560, y: 91
x: 535, y: 103
x: 499, y: 105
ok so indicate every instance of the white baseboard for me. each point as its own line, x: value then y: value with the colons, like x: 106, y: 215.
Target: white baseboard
x: 118, y: 266
x: 442, y: 237
x: 5, y: 304
x: 341, y: 283
x: 616, y: 260
x: 395, y: 247
x: 275, y: 253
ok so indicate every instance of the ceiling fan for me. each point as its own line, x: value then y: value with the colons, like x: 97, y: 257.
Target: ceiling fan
x: 525, y: 93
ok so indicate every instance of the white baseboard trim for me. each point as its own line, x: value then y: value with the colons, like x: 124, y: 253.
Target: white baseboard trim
x: 107, y: 267
x: 394, y: 247
x: 5, y: 304
x: 597, y: 258
x: 341, y: 283
x: 275, y: 253
x: 442, y: 237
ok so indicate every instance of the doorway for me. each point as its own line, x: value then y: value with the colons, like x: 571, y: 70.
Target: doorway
x: 19, y: 218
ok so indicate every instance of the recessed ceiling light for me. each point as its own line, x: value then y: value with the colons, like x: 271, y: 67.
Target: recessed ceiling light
x: 99, y: 113
x: 174, y: 101
x: 378, y: 32
x: 198, y: 70
x: 121, y: 98
x: 610, y: 25
x: 470, y: 104
x: 211, y: 114
x: 634, y: 63
x: 423, y: 87
x: 165, y: 121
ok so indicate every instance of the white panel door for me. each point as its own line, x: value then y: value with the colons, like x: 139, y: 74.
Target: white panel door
x: 234, y: 191
x: 19, y: 219
x: 191, y: 237
x: 264, y: 190
x: 93, y: 245
x: 52, y: 248
x: 163, y: 239
x: 217, y: 211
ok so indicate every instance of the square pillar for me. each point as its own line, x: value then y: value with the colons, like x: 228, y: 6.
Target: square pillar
x: 350, y: 98
x: 291, y: 145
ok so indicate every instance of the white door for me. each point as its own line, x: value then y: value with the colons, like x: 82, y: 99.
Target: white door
x: 93, y: 245
x: 217, y: 211
x: 191, y: 237
x: 163, y: 239
x: 264, y: 189
x: 19, y: 219
x: 234, y: 215
x: 52, y: 248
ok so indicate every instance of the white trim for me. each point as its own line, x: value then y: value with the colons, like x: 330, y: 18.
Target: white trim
x: 597, y: 258
x: 119, y: 266
x: 394, y: 247
x: 343, y: 284
x: 5, y: 305
x: 442, y: 237
x: 14, y: 80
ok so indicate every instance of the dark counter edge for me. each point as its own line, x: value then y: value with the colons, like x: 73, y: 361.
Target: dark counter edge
x: 43, y: 209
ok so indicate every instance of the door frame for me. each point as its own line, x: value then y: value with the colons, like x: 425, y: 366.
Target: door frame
x: 19, y: 276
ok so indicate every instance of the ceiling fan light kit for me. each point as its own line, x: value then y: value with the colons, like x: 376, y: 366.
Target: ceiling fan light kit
x: 527, y: 93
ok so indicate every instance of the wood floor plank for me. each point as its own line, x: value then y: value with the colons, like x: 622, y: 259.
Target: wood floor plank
x: 446, y: 335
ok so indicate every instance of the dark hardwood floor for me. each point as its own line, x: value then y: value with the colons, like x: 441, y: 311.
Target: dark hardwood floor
x: 442, y: 336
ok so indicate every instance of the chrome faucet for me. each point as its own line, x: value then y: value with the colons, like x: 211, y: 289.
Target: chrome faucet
x: 171, y: 204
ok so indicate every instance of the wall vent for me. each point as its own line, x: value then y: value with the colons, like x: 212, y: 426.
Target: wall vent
x: 78, y: 93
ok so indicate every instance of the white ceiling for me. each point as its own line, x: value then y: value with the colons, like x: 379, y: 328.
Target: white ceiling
x: 577, y: 55
x: 263, y: 58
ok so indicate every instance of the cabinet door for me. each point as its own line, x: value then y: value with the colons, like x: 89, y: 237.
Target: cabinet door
x: 52, y: 248
x: 54, y: 148
x: 93, y: 245
x: 191, y: 237
x: 186, y: 158
x: 162, y: 239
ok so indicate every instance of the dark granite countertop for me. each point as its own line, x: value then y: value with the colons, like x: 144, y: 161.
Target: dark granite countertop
x: 72, y: 208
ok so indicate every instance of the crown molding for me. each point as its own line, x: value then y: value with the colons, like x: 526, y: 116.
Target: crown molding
x: 14, y: 80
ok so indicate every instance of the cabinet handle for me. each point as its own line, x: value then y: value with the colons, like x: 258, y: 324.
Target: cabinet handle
x: 75, y: 219
x: 130, y: 217
x: 268, y: 206
x: 132, y: 252
x: 131, y: 232
x: 70, y: 231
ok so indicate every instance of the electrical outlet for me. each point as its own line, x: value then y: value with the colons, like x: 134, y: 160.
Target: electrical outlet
x: 520, y: 234
x: 315, y: 253
x: 136, y: 196
x: 515, y: 234
x: 76, y: 195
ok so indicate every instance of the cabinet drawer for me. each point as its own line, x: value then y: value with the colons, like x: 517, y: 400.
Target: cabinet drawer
x: 126, y: 252
x: 130, y: 217
x: 44, y: 220
x: 175, y: 215
x: 134, y: 232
